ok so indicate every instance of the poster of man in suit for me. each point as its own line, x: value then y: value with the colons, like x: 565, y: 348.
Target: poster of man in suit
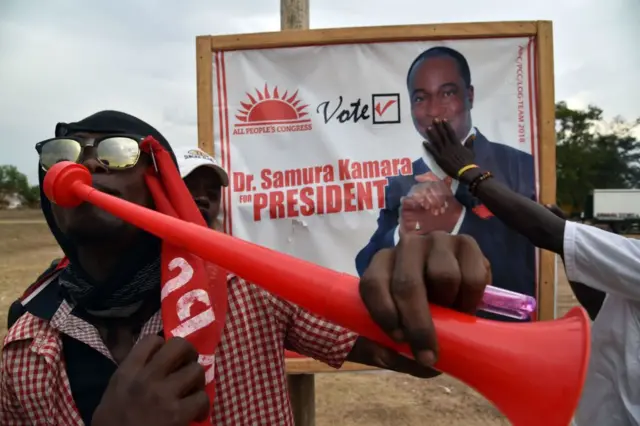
x: 439, y: 85
x: 324, y: 146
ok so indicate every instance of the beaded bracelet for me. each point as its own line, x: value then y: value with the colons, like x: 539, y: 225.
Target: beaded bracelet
x: 473, y: 186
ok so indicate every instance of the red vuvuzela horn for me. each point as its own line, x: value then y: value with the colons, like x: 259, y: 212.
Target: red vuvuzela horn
x: 532, y: 372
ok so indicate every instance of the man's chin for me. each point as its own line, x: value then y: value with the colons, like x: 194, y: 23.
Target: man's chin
x: 85, y: 237
x: 89, y: 224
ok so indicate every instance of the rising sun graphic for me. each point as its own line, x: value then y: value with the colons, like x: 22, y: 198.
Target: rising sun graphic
x: 271, y: 108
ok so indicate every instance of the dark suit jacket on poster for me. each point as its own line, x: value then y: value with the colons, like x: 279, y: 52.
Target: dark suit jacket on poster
x: 511, y: 255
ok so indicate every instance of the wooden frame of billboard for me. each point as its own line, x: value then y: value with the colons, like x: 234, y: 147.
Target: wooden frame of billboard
x: 545, y: 97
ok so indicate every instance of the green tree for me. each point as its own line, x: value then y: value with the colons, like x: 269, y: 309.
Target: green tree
x: 593, y: 153
x: 13, y: 183
x: 31, y: 197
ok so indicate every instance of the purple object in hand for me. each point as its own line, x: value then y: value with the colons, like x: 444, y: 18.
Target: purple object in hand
x: 507, y: 303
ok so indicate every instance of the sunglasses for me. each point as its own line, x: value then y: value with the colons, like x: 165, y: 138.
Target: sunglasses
x: 116, y: 152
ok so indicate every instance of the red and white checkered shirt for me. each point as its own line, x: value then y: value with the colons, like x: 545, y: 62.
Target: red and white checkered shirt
x: 250, y: 362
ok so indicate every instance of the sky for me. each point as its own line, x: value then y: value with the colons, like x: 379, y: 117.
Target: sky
x: 61, y: 60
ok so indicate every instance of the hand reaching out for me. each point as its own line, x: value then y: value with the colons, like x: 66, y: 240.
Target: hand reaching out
x: 448, y: 270
x: 446, y: 149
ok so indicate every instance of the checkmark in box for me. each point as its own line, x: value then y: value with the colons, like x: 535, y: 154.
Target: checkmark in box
x: 386, y: 108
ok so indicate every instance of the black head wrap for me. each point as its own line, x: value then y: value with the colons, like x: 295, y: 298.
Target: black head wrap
x: 138, y: 271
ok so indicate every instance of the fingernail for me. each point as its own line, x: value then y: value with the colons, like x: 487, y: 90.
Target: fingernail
x: 446, y: 204
x: 427, y: 358
x: 445, y: 120
x: 397, y: 335
x: 442, y: 209
x: 437, y: 120
x: 429, y: 128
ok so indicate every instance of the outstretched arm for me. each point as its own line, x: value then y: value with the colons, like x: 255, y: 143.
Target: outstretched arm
x: 601, y: 260
x: 543, y: 228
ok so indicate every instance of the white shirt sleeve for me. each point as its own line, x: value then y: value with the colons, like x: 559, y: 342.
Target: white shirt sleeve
x: 602, y: 260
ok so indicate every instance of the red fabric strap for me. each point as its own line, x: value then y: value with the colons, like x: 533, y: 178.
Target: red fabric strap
x: 194, y: 292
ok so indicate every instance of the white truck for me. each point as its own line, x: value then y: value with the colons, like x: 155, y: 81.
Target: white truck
x: 615, y: 209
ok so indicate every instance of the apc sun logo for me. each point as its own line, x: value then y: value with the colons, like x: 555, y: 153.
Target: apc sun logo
x: 268, y: 112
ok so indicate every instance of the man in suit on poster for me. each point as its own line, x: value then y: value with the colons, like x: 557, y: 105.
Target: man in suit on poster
x: 439, y: 84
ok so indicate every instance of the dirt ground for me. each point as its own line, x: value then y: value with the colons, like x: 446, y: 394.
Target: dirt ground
x: 344, y: 399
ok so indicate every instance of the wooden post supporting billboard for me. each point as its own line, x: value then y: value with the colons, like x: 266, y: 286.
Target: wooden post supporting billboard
x: 294, y: 15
